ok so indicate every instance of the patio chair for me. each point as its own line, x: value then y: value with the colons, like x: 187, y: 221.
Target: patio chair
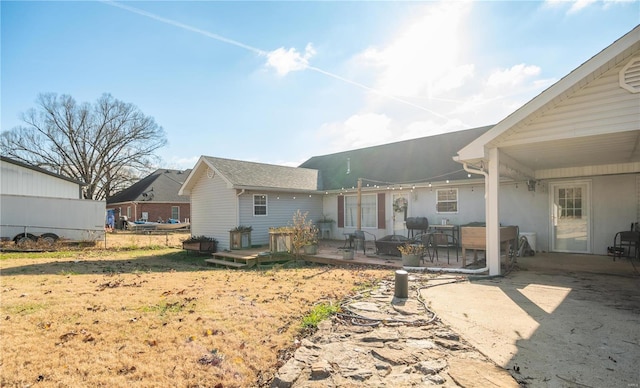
x: 359, y: 238
x: 442, y: 240
x: 624, y: 241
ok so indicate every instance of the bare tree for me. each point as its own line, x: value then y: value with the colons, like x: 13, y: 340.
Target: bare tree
x: 106, y: 144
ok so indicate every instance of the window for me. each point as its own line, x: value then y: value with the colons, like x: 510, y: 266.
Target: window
x: 175, y: 212
x: 129, y: 212
x: 570, y: 201
x: 447, y: 201
x: 369, y: 211
x: 259, y: 205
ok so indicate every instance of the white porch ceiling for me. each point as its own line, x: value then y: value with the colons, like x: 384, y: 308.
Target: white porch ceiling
x: 606, y: 149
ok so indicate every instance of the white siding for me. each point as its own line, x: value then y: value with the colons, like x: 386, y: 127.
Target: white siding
x: 18, y: 180
x: 614, y: 208
x: 213, y: 209
x: 600, y: 107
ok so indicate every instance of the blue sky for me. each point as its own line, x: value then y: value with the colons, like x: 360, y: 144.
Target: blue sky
x: 280, y: 82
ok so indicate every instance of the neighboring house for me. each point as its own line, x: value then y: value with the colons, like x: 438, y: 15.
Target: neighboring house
x: 153, y: 198
x: 564, y: 166
x: 227, y: 193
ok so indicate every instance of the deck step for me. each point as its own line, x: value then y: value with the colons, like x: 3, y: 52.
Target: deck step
x: 233, y: 255
x: 228, y: 263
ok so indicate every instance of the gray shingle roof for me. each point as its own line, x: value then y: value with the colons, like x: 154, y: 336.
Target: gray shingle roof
x: 424, y: 159
x: 242, y: 174
x: 165, y: 184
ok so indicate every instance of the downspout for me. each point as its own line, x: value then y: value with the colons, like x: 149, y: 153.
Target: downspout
x: 463, y: 270
x: 238, y: 206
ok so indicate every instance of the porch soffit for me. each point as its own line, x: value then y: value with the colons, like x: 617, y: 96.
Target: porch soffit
x: 616, y: 148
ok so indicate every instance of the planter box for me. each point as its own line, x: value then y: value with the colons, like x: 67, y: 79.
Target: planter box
x: 240, y: 240
x: 200, y: 246
x: 281, y: 241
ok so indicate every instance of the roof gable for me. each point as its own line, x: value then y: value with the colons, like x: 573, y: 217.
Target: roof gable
x: 419, y: 160
x: 608, y: 58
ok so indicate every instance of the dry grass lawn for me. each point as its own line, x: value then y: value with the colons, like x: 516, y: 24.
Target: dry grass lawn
x: 154, y: 318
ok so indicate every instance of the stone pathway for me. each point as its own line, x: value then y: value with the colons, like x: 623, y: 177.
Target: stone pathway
x: 382, y: 341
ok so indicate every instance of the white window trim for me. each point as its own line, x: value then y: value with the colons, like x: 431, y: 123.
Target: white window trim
x: 175, y: 207
x: 457, y: 201
x: 266, y: 205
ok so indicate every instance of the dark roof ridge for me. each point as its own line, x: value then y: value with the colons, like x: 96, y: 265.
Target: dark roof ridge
x: 484, y: 127
x: 254, y: 162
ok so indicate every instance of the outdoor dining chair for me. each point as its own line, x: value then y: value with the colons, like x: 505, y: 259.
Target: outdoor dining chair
x: 442, y: 240
x: 360, y: 240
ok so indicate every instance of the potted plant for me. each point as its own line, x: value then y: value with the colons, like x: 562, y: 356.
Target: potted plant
x: 411, y: 254
x: 311, y: 245
x: 240, y: 237
x: 200, y: 244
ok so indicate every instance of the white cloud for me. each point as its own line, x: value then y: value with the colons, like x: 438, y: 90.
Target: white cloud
x: 576, y: 6
x: 285, y: 61
x: 423, y: 54
x: 513, y: 76
x: 453, y: 79
x: 181, y: 163
x: 426, y: 63
x: 359, y: 130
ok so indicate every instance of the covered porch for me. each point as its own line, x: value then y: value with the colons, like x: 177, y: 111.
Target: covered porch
x: 579, y: 139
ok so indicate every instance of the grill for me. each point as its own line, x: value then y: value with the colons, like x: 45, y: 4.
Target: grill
x: 417, y: 223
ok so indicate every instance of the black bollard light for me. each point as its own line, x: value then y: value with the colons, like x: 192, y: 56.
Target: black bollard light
x: 402, y: 284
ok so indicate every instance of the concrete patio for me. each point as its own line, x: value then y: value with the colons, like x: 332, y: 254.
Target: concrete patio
x: 556, y: 320
x: 553, y: 320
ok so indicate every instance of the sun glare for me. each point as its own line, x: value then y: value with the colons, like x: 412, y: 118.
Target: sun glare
x: 548, y: 300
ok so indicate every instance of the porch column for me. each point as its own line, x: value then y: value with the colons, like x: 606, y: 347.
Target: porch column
x: 492, y: 216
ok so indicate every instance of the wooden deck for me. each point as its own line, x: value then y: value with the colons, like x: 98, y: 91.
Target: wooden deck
x: 329, y: 253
